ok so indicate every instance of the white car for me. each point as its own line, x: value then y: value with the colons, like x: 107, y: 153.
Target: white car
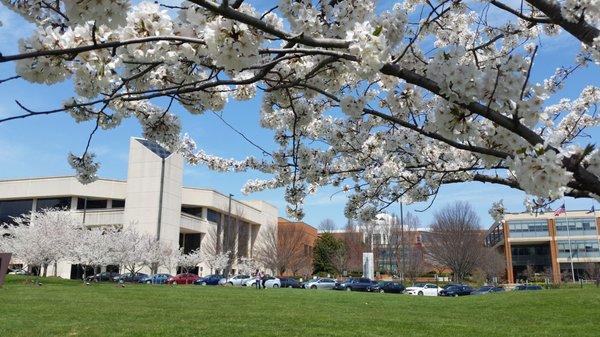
x: 238, y: 280
x: 321, y: 283
x: 252, y: 282
x: 423, y: 289
x: 273, y: 283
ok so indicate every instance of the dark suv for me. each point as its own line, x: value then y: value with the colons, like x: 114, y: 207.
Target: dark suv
x: 456, y: 290
x: 359, y: 284
x: 528, y: 287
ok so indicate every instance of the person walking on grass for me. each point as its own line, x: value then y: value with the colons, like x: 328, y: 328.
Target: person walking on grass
x: 257, y: 278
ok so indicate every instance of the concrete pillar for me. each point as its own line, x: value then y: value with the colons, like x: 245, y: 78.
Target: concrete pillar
x: 153, y: 198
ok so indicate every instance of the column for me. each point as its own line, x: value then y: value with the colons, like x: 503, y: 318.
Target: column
x: 554, y: 252
x: 508, y: 253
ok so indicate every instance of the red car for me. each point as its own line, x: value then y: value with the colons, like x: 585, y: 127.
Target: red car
x: 185, y: 278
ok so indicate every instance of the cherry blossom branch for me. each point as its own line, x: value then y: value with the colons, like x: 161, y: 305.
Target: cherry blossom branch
x: 582, y: 30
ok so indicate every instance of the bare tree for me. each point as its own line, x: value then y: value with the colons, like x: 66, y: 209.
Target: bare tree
x: 491, y: 263
x: 405, y: 249
x: 455, y: 240
x: 339, y: 258
x: 327, y: 225
x: 209, y: 246
x: 282, y: 249
x: 353, y: 241
x: 529, y: 272
x: 593, y: 272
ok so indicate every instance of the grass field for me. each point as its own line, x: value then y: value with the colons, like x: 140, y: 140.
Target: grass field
x: 67, y: 308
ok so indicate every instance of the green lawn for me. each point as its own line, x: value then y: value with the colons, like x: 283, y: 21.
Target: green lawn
x: 66, y: 308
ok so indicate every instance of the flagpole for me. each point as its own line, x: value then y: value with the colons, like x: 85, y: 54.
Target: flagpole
x: 570, y: 246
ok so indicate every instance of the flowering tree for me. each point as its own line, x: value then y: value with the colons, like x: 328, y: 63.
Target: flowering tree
x: 40, y: 238
x: 90, y: 247
x: 191, y: 260
x: 247, y: 265
x: 430, y: 92
x: 129, y: 249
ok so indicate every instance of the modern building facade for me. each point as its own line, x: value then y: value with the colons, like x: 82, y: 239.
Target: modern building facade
x: 152, y: 200
x: 548, y: 244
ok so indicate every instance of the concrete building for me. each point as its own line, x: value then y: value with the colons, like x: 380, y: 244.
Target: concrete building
x: 547, y: 243
x: 152, y: 199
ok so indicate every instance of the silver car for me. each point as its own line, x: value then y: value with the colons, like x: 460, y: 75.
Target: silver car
x: 238, y: 280
x: 321, y: 283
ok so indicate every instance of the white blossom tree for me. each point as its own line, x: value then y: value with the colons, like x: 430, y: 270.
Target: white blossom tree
x: 90, y: 247
x: 40, y: 238
x: 191, y: 260
x: 386, y: 104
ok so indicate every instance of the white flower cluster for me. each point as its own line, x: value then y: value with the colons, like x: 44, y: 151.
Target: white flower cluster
x: 498, y: 210
x: 370, y: 46
x: 352, y: 107
x: 540, y: 173
x: 109, y: 12
x: 232, y: 45
x: 85, y: 167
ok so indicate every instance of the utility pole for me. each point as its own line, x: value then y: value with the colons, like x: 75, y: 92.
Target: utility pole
x: 227, y: 235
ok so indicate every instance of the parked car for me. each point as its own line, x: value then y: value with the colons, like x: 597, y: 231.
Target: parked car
x: 210, y: 280
x: 252, y: 281
x: 238, y: 280
x: 423, y: 289
x: 357, y: 284
x: 273, y: 282
x: 102, y: 277
x: 155, y: 279
x: 456, y: 290
x: 391, y: 287
x: 320, y: 283
x: 18, y: 272
x: 525, y: 287
x: 487, y: 290
x: 289, y: 282
x: 129, y: 277
x: 185, y: 278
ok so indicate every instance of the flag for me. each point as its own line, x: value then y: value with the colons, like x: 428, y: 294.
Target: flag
x: 560, y: 210
x: 592, y: 210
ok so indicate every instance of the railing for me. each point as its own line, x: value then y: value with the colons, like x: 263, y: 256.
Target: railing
x: 193, y: 222
x: 102, y: 217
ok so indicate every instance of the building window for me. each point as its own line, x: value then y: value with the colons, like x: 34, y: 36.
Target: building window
x: 213, y: 216
x: 528, y: 228
x: 14, y: 208
x: 580, y: 248
x: 195, y: 211
x: 91, y: 203
x: 577, y: 226
x: 44, y: 203
x: 118, y: 203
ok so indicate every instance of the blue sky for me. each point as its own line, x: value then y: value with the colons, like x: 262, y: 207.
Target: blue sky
x: 38, y: 146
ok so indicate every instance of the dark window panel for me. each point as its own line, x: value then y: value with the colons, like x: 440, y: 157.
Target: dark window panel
x: 42, y: 203
x: 14, y: 208
x: 91, y: 203
x: 195, y: 211
x: 118, y: 203
x: 213, y: 216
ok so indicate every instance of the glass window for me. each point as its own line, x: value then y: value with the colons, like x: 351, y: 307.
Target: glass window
x: 577, y: 226
x: 192, y: 210
x: 213, y: 216
x: 528, y: 228
x: 43, y: 203
x: 91, y: 203
x: 580, y: 248
x: 118, y: 203
x: 14, y: 208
